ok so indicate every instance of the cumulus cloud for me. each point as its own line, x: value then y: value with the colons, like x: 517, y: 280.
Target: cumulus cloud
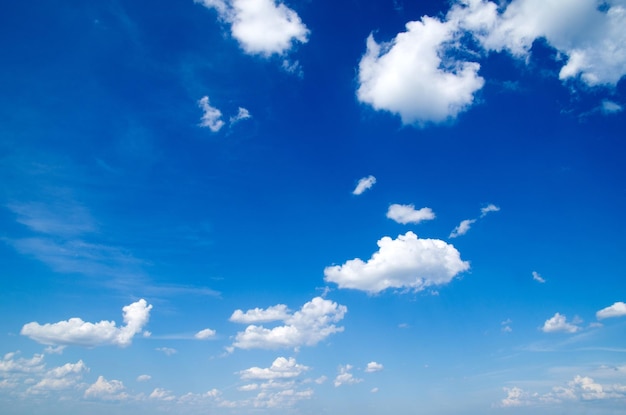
x: 262, y: 27
x: 204, y: 334
x: 259, y: 315
x: 75, y: 331
x: 308, y: 326
x: 407, y: 214
x: 364, y: 184
x: 211, y: 116
x: 373, y: 367
x: 281, y: 368
x: 618, y: 309
x: 413, y: 77
x: 106, y: 390
x: 143, y: 378
x: 462, y: 228
x: 11, y: 363
x: 558, y: 323
x: 538, y: 277
x: 345, y: 377
x: 405, y: 262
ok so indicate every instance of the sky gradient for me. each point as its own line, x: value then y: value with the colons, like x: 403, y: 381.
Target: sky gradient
x: 313, y: 207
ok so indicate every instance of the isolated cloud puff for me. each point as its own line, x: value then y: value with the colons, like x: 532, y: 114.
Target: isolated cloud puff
x: 618, y: 309
x: 364, y: 184
x: 308, y: 326
x: 538, y: 277
x: 204, y: 334
x: 407, y: 214
x: 281, y: 368
x: 75, y: 331
x: 610, y: 107
x: 345, y: 377
x: 259, y: 315
x: 262, y: 27
x: 558, y: 323
x: 373, y: 367
x: 106, y: 390
x: 487, y: 209
x: 405, y: 262
x: 462, y: 228
x: 413, y: 77
x: 211, y: 116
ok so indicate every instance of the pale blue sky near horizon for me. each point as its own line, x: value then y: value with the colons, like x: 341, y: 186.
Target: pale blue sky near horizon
x: 308, y: 207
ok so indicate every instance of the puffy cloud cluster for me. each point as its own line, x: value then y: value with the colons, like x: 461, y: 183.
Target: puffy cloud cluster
x: 204, y: 334
x: 405, y: 262
x: 110, y: 390
x: 212, y: 116
x: 373, y: 367
x: 559, y: 323
x: 345, y: 377
x: 75, y: 331
x: 262, y: 27
x: 308, y: 326
x: 421, y: 74
x: 408, y: 214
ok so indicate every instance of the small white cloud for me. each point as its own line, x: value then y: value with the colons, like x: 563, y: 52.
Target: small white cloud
x: 374, y: 390
x: 107, y: 390
x: 312, y: 324
x: 248, y: 387
x: 242, y: 114
x: 282, y: 368
x: 345, y: 377
x: 538, y: 277
x: 506, y: 325
x: 405, y: 262
x: 204, y: 334
x: 162, y: 395
x: 75, y: 331
x: 167, y: 350
x: 462, y: 228
x: 321, y: 380
x: 259, y: 315
x: 143, y: 378
x: 487, y: 209
x: 364, y: 184
x: 211, y: 117
x: 262, y: 27
x: 618, y: 309
x: 610, y: 107
x: 558, y: 323
x: 373, y: 367
x: 407, y: 214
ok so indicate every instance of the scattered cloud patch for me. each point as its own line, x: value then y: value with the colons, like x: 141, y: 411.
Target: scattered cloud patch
x: 204, y: 334
x: 404, y: 262
x: 168, y: 351
x: 262, y: 27
x: 311, y: 324
x: 281, y: 368
x: 487, y: 209
x: 161, y: 394
x: 242, y: 114
x: 259, y: 315
x: 364, y: 184
x: 373, y: 367
x: 211, y: 116
x: 345, y: 377
x: 106, y: 390
x: 610, y: 107
x: 143, y: 378
x: 558, y: 323
x: 618, y: 309
x: 538, y: 277
x: 462, y: 228
x: 506, y: 325
x: 75, y: 331
x: 407, y: 214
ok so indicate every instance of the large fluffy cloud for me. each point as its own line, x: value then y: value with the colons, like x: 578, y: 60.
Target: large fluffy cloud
x: 75, y: 331
x: 262, y: 27
x: 410, y: 76
x: 405, y: 262
x: 308, y: 326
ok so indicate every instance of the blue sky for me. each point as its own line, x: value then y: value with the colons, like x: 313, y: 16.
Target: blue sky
x: 313, y: 207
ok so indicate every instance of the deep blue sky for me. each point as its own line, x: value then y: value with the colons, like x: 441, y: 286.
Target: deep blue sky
x: 231, y: 206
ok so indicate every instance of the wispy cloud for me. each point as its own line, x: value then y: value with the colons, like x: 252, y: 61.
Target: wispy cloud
x: 364, y: 184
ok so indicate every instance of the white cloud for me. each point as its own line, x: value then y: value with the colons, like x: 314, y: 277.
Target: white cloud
x: 405, y: 262
x: 204, y: 334
x: 211, y: 117
x: 618, y: 309
x: 143, y: 378
x: 107, y: 390
x: 558, y: 323
x: 167, y: 350
x: 258, y: 315
x: 364, y: 184
x: 373, y: 367
x: 487, y: 209
x: 262, y: 27
x: 162, y: 395
x: 9, y: 363
x: 75, y: 331
x: 345, y: 377
x: 407, y: 214
x: 462, y: 228
x: 242, y: 114
x: 538, y: 277
x: 282, y: 368
x: 610, y: 107
x: 412, y: 77
x: 514, y: 397
x: 312, y: 324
